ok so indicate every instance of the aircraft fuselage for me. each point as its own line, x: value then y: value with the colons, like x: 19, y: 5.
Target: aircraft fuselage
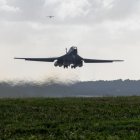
x: 71, y: 58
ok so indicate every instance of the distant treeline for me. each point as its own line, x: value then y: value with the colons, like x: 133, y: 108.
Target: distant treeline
x: 77, y: 89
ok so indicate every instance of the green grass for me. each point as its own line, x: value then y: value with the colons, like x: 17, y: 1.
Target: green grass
x: 107, y: 118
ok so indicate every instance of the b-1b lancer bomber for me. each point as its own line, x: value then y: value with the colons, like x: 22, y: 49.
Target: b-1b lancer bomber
x: 71, y: 58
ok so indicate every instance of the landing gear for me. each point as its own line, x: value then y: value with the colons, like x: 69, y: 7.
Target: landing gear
x: 72, y: 66
x: 65, y: 66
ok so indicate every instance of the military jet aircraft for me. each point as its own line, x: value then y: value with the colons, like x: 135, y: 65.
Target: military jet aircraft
x: 71, y: 58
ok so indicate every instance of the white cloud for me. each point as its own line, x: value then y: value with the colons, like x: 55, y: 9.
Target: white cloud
x: 124, y: 9
x: 4, y: 7
x: 72, y: 9
x: 108, y: 3
x: 9, y: 8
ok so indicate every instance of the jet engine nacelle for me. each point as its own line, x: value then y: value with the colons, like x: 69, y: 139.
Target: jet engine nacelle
x: 80, y: 64
x: 57, y: 64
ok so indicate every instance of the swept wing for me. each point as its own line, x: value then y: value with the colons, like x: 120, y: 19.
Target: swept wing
x: 99, y: 61
x: 52, y: 59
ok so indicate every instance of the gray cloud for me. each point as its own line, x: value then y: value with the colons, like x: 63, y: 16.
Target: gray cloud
x: 69, y: 11
x: 100, y: 28
x: 121, y: 10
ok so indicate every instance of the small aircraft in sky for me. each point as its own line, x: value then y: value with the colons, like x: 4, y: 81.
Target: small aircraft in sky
x: 70, y: 59
x: 50, y: 16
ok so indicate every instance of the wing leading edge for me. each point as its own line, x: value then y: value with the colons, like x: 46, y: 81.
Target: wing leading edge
x: 39, y: 59
x: 100, y: 61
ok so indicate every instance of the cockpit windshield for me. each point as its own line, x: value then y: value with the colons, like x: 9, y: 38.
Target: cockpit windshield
x: 73, y: 50
x: 74, y: 47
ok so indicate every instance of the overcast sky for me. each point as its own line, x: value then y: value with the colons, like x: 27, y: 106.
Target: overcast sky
x: 101, y: 29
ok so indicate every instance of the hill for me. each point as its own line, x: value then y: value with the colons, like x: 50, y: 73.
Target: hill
x: 75, y: 89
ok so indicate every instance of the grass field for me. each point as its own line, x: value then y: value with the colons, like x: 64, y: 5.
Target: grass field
x: 107, y: 118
